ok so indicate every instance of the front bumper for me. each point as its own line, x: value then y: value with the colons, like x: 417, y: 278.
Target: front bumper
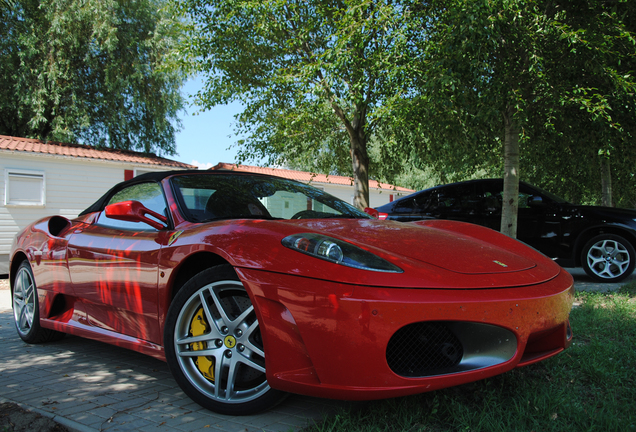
x: 335, y: 341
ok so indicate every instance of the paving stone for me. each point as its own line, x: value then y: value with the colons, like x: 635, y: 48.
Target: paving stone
x: 183, y: 420
x: 133, y: 425
x: 85, y: 418
x: 158, y: 428
x: 205, y: 424
x: 75, y: 408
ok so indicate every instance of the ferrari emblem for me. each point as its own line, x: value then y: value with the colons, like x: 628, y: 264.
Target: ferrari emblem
x: 175, y: 235
x: 230, y: 341
x: 500, y: 263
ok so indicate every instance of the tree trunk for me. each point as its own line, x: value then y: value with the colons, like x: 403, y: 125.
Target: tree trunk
x: 606, y: 181
x: 510, y: 202
x: 358, y: 151
x: 360, y: 164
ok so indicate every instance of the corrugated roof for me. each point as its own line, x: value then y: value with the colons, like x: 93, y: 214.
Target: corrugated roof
x: 29, y: 145
x: 306, y: 177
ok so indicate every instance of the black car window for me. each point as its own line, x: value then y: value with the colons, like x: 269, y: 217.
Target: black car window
x: 546, y: 196
x: 405, y: 205
x: 149, y: 194
x: 454, y: 199
x: 493, y: 196
x: 537, y: 191
x: 524, y: 199
x: 492, y: 201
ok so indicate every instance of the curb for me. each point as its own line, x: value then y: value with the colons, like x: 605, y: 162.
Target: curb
x: 71, y: 425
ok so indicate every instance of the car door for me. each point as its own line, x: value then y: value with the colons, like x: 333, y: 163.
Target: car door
x: 540, y: 221
x: 114, y: 268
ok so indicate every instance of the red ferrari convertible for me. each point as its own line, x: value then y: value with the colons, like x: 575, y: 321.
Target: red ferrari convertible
x: 253, y: 286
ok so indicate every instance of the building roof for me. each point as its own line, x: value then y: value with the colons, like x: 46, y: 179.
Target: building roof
x: 306, y: 177
x: 28, y: 145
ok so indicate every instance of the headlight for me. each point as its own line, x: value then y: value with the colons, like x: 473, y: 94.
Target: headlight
x: 338, y: 251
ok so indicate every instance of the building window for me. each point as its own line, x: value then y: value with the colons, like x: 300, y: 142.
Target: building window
x: 24, y: 188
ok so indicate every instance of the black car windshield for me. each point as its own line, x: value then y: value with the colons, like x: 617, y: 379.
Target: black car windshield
x: 207, y: 197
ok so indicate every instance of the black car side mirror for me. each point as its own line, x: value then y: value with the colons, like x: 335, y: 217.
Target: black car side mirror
x: 536, y: 201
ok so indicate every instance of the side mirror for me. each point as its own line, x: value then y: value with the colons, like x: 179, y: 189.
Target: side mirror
x: 134, y: 211
x: 535, y: 201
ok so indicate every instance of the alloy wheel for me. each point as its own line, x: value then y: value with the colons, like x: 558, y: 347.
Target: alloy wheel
x: 218, y: 344
x: 608, y: 259
x: 24, y: 302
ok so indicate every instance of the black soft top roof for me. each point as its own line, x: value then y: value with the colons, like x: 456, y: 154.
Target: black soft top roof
x: 156, y: 176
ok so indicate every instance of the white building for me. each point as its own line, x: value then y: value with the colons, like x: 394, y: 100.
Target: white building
x: 41, y: 179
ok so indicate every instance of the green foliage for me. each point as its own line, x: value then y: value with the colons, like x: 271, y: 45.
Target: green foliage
x: 565, y: 69
x: 312, y: 76
x: 590, y: 386
x: 409, y: 87
x: 90, y: 71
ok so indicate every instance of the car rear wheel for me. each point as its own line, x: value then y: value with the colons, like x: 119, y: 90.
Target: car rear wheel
x: 213, y: 345
x: 26, y: 311
x: 608, y: 258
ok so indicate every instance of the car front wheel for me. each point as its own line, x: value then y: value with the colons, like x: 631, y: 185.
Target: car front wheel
x: 213, y: 345
x: 26, y: 310
x: 608, y: 258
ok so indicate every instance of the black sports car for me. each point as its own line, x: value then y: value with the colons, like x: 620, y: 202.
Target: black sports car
x: 599, y: 239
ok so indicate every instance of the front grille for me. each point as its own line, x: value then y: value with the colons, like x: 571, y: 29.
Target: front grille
x: 423, y: 349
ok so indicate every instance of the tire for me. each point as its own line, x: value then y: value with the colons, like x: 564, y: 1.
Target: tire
x: 212, y: 313
x: 26, y: 310
x: 608, y: 258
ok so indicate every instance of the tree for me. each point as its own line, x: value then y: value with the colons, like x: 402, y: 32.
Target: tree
x: 499, y: 77
x: 90, y: 71
x: 313, y: 76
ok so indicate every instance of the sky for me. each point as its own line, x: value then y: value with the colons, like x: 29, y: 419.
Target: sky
x: 205, y: 137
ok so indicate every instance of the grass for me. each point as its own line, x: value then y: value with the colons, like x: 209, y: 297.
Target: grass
x: 589, y: 387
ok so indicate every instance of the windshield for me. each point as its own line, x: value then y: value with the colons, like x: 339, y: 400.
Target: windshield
x: 207, y: 197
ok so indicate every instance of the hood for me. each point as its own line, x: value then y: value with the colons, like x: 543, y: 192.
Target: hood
x: 432, y: 254
x: 608, y: 213
x: 451, y: 250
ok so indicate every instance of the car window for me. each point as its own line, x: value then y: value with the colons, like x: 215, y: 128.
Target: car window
x: 493, y: 197
x: 405, y: 205
x: 216, y: 196
x: 455, y: 199
x: 492, y: 201
x: 546, y: 196
x: 149, y: 194
x: 524, y: 200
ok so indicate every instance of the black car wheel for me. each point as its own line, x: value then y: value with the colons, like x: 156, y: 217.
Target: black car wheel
x: 213, y: 345
x: 26, y: 310
x: 608, y: 258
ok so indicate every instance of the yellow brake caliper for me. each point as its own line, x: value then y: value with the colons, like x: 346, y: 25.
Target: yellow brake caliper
x: 199, y: 327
